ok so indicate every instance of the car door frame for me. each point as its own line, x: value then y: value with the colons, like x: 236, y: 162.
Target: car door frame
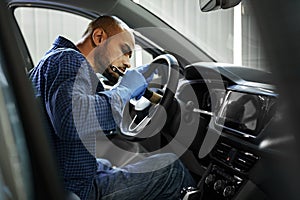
x: 47, y: 184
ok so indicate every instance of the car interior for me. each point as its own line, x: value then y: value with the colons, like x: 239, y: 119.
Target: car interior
x: 225, y: 122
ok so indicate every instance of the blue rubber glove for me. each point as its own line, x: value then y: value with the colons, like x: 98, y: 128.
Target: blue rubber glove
x: 131, y: 85
x: 142, y: 69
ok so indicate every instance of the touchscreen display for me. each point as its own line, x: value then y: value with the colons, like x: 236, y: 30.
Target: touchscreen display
x: 246, y: 113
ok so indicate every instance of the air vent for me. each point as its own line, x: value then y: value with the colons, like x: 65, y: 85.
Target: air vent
x: 244, y: 161
x: 221, y: 151
x: 235, y: 158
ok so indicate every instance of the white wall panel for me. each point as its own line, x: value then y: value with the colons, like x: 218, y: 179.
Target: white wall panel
x: 40, y: 27
x: 212, y: 32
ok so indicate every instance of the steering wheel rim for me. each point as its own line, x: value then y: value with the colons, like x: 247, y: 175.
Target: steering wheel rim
x: 156, y: 118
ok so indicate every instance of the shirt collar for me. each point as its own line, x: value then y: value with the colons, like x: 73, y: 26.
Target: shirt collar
x: 61, y: 41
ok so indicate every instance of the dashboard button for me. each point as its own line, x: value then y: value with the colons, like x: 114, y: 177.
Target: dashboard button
x: 210, y: 179
x: 228, y: 191
x: 219, y: 185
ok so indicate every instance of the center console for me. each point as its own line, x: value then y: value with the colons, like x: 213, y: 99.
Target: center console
x: 220, y: 184
x: 226, y: 175
x: 216, y: 183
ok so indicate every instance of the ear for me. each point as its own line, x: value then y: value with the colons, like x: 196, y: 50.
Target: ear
x: 98, y: 36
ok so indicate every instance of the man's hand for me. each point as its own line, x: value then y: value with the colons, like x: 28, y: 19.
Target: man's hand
x: 142, y: 69
x: 132, y: 84
x: 134, y: 81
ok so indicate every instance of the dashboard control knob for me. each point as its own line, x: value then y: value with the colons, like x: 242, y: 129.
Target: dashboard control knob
x: 219, y: 185
x: 228, y: 191
x: 210, y: 179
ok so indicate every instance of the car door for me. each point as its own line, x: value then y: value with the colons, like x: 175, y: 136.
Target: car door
x: 27, y: 170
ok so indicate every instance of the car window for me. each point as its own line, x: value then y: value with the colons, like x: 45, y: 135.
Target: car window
x: 40, y: 27
x: 140, y: 57
x: 229, y: 35
x: 15, y: 176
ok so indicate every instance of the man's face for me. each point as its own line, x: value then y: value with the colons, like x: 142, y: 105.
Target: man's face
x: 115, y: 50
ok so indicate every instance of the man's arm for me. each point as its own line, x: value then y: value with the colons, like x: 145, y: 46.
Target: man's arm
x: 74, y: 108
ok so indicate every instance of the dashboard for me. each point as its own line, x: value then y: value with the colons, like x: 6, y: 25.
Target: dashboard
x: 237, y: 108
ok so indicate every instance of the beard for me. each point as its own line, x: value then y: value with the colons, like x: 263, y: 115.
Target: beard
x: 103, y: 66
x: 112, y: 80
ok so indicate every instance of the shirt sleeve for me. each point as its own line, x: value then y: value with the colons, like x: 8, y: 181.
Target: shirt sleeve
x: 117, y: 105
x: 74, y: 107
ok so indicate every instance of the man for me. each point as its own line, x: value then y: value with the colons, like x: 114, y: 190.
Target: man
x: 77, y: 108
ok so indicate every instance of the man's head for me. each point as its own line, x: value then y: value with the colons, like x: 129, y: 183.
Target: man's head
x: 107, y: 41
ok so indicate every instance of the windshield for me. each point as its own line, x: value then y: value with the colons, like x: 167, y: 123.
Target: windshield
x: 228, y: 36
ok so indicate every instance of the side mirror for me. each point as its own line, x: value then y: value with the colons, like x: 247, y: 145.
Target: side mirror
x: 209, y: 5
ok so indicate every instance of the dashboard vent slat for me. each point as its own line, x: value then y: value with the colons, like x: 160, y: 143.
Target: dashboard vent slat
x: 221, y: 151
x: 234, y: 157
x: 244, y: 161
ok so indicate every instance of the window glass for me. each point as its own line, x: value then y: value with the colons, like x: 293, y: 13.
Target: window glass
x: 212, y: 32
x: 15, y: 176
x: 41, y: 26
x: 140, y: 57
x: 229, y: 35
x: 252, y: 49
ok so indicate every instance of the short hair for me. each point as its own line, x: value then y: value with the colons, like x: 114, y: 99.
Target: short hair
x: 110, y: 24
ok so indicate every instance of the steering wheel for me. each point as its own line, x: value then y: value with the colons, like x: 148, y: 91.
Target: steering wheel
x: 156, y: 118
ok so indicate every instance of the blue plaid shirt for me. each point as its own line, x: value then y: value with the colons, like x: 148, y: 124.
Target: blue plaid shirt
x: 77, y: 108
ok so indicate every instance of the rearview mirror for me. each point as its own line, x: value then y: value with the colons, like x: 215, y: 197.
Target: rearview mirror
x: 209, y: 5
